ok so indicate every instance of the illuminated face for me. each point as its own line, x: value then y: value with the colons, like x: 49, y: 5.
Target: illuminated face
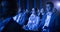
x: 33, y: 11
x: 48, y: 7
x: 27, y: 10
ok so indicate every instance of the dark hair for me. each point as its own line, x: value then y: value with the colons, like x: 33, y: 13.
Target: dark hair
x: 35, y: 9
x: 52, y: 5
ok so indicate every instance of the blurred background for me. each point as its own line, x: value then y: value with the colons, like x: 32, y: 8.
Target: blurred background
x: 29, y: 4
x: 25, y: 8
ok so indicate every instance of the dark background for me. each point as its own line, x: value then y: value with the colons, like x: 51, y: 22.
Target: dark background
x: 29, y: 4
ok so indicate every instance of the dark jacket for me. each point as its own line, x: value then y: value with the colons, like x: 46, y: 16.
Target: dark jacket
x: 12, y: 26
x: 54, y: 23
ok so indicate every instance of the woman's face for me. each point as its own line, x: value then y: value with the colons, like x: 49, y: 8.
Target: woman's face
x: 33, y: 11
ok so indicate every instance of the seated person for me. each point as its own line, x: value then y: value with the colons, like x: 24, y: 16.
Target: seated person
x: 50, y: 20
x: 33, y: 22
x: 38, y: 11
x: 8, y: 9
x: 42, y: 12
x: 27, y: 13
x: 22, y: 17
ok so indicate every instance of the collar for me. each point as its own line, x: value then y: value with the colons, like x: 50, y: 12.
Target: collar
x: 49, y: 13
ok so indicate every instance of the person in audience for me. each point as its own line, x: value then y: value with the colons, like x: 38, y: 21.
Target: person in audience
x: 20, y: 17
x: 33, y: 22
x: 27, y: 12
x: 42, y: 12
x: 38, y: 11
x: 8, y: 9
x: 50, y: 20
x: 16, y: 16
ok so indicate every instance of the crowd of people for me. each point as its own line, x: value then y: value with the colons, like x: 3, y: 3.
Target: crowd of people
x: 33, y: 20
x: 13, y: 19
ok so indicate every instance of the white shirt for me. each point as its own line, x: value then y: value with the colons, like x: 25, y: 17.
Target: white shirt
x: 47, y: 21
x: 20, y: 18
x: 33, y: 22
x: 16, y: 18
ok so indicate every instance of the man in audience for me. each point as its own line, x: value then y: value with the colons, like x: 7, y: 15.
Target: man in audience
x: 50, y: 20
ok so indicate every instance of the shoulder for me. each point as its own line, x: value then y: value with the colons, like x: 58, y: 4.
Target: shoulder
x: 31, y: 15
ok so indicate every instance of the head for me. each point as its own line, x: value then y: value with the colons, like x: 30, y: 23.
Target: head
x: 8, y: 8
x: 34, y: 11
x: 27, y: 11
x: 42, y: 10
x: 49, y: 6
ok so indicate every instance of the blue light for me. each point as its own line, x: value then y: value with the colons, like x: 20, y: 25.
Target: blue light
x: 58, y: 4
